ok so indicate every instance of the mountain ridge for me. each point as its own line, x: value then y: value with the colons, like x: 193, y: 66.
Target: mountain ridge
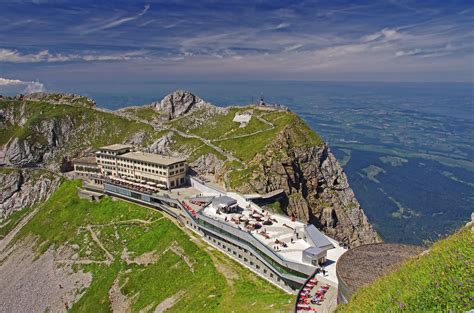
x: 275, y: 143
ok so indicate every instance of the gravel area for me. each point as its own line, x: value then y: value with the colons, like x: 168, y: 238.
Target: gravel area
x: 37, y: 284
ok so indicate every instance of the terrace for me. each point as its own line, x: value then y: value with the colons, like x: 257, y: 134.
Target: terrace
x: 284, y: 235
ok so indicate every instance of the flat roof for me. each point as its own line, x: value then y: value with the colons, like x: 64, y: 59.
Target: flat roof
x: 151, y: 158
x: 116, y: 147
x: 224, y: 201
x: 283, y: 229
x: 85, y: 160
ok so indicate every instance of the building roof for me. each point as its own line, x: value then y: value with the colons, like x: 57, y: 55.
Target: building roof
x: 313, y: 251
x: 317, y: 238
x: 224, y: 201
x: 85, y: 160
x: 151, y: 158
x: 116, y: 147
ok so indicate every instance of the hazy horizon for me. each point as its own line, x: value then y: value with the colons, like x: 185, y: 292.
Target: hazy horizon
x: 123, y: 42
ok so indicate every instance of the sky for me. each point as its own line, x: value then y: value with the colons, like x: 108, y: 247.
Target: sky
x: 53, y: 43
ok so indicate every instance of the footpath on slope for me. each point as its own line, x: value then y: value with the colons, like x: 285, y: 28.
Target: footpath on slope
x: 227, y: 155
x: 9, y: 237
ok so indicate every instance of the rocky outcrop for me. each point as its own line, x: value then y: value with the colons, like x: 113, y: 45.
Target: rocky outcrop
x: 49, y: 136
x: 60, y: 98
x: 179, y: 103
x: 24, y: 188
x: 317, y: 188
x: 207, y: 164
x: 162, y: 145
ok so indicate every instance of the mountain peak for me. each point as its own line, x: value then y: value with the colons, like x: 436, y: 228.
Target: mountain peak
x: 179, y: 103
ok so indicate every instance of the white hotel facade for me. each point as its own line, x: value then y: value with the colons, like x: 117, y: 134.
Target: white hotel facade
x: 119, y: 161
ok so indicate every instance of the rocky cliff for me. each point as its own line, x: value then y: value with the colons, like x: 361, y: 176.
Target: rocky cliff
x: 42, y: 130
x: 317, y: 188
x: 179, y: 103
x: 24, y: 188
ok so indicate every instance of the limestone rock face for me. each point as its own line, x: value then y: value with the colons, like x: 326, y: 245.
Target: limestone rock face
x: 207, y: 164
x: 162, y: 145
x: 179, y: 103
x: 50, y: 135
x: 317, y: 188
x: 24, y: 188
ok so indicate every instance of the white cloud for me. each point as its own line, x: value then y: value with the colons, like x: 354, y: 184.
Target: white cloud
x: 282, y: 25
x: 292, y: 47
x: 117, y: 22
x: 30, y: 86
x: 13, y: 56
x: 430, y: 52
x: 33, y: 87
x: 402, y: 53
x: 385, y: 34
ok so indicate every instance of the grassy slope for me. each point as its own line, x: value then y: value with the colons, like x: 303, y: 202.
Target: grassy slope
x: 100, y: 128
x: 145, y: 113
x: 223, y: 132
x: 63, y: 218
x: 440, y: 281
x: 221, y: 126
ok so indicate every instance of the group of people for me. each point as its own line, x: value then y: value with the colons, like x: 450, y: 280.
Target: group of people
x: 322, y: 270
x: 306, y: 297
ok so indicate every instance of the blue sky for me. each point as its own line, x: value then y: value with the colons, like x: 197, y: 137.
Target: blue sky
x: 54, y: 42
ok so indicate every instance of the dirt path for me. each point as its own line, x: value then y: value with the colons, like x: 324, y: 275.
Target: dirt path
x: 146, y: 258
x: 180, y: 252
x: 126, y: 222
x: 5, y: 224
x: 250, y: 134
x: 9, y: 237
x: 110, y: 257
x: 207, y: 142
x: 119, y: 302
x: 169, y: 302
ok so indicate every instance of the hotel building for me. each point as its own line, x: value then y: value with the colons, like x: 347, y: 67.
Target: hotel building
x: 120, y: 161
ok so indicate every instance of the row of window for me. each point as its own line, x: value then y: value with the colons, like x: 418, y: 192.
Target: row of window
x: 105, y: 162
x: 129, y: 163
x: 147, y: 170
x: 257, y: 266
x: 86, y: 169
x: 275, y: 265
